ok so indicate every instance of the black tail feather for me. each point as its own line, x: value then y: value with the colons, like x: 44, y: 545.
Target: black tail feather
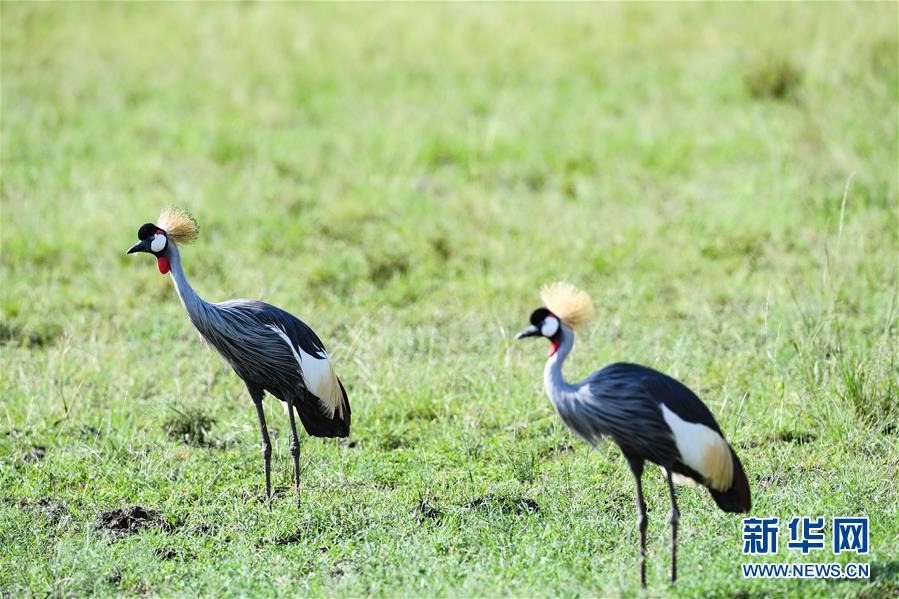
x: 737, y: 498
x: 318, y: 424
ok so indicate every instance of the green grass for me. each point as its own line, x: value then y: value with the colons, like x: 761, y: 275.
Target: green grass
x: 722, y: 179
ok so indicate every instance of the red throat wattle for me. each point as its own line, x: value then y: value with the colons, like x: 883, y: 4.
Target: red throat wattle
x: 163, y: 264
x: 556, y: 342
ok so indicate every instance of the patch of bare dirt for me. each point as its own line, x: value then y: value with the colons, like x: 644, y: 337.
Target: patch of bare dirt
x: 33, y: 454
x: 53, y: 510
x: 132, y: 519
x: 425, y: 511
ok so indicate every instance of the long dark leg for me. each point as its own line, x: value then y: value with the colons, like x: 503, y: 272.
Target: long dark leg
x: 636, y: 465
x: 256, y: 393
x: 673, y: 518
x: 294, y: 447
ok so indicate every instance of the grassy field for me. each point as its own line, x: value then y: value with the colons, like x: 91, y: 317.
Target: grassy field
x: 722, y: 179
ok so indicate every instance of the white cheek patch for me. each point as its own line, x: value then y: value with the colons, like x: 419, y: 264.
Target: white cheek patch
x: 158, y: 243
x: 550, y: 326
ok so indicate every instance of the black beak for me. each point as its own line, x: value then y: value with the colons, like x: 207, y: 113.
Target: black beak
x: 531, y: 331
x: 140, y: 246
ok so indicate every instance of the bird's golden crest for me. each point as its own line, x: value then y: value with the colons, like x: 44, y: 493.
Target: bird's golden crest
x: 569, y: 303
x: 179, y: 225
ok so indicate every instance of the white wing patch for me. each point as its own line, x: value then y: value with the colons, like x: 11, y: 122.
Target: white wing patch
x: 702, y: 449
x: 317, y: 374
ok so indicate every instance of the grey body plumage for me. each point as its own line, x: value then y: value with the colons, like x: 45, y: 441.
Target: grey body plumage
x: 612, y: 403
x: 649, y: 415
x: 245, y: 333
x: 269, y: 348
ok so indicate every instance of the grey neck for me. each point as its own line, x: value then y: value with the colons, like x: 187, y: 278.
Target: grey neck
x: 553, y: 379
x: 194, y: 304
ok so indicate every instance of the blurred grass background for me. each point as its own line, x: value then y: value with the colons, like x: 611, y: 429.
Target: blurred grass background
x: 721, y: 177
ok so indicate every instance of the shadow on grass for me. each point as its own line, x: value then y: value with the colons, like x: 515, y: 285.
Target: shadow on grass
x: 888, y: 573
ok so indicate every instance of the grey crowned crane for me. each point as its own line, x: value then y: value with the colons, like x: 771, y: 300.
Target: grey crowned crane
x: 270, y: 349
x: 649, y: 415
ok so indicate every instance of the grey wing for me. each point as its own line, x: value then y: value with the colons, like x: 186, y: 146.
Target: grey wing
x: 298, y: 331
x: 241, y: 334
x: 293, y: 349
x: 617, y: 404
